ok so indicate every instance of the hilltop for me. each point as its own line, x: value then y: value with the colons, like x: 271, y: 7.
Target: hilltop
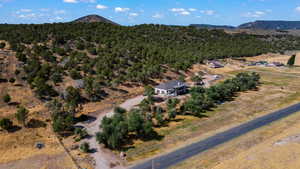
x: 94, y: 18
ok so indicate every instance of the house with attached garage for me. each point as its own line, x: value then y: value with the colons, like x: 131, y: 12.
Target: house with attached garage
x: 171, y: 88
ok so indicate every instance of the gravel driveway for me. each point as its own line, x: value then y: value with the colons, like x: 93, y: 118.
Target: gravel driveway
x: 103, y: 157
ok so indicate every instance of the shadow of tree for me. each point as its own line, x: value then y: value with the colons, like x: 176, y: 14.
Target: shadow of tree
x: 85, y: 118
x: 34, y: 123
x: 14, y: 104
x: 14, y: 128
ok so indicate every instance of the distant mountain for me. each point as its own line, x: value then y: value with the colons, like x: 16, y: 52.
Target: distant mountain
x: 94, y: 18
x: 271, y: 25
x: 212, y: 26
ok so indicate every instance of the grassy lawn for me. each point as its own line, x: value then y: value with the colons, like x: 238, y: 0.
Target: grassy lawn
x: 276, y: 91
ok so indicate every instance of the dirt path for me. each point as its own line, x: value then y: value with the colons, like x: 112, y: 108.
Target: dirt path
x: 104, y: 158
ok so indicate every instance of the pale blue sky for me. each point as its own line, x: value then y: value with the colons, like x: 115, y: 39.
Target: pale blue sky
x: 131, y: 12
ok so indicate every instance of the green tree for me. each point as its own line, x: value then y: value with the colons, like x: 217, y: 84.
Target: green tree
x: 172, y: 103
x: 114, y: 131
x: 22, y: 115
x: 75, y: 74
x: 2, y: 45
x: 149, y: 91
x: 172, y: 114
x: 62, y: 122
x: 198, y: 80
x: 119, y: 110
x: 6, y: 124
x: 291, y: 60
x: 85, y: 147
x: 56, y: 77
x: 159, y: 119
x: 72, y: 95
x: 12, y: 80
x: 6, y: 98
x: 135, y: 121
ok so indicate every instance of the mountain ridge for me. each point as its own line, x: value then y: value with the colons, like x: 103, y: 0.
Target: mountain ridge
x: 271, y: 25
x: 259, y: 24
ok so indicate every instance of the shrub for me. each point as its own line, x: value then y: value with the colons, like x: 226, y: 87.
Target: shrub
x: 2, y: 45
x: 85, y: 147
x: 12, y: 80
x: 17, y: 72
x: 81, y: 134
x: 6, y: 98
x: 119, y: 110
x: 6, y: 124
x: 291, y: 61
x: 22, y: 115
x: 149, y: 91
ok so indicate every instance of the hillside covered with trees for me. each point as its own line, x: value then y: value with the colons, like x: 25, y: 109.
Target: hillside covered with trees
x: 115, y: 54
x: 103, y: 55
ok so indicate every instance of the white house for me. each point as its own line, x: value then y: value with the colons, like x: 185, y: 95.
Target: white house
x: 171, y: 88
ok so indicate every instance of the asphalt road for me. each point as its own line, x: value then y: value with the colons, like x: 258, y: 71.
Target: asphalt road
x: 182, y: 154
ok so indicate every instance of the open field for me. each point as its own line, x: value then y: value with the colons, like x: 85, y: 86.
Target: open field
x: 276, y: 91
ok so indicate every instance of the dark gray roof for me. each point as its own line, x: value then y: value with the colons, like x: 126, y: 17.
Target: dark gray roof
x: 170, y: 85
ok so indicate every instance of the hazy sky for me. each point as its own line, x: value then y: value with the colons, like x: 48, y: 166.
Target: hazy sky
x: 131, y: 12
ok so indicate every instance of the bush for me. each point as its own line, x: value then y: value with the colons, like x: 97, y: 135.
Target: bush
x: 2, y: 45
x: 6, y: 98
x: 85, y: 147
x: 119, y: 110
x: 172, y: 114
x: 17, y: 72
x: 291, y: 61
x: 81, y: 134
x: 62, y: 122
x: 12, y: 80
x: 6, y: 124
x: 75, y: 74
x: 22, y: 115
x: 159, y: 119
x: 149, y: 91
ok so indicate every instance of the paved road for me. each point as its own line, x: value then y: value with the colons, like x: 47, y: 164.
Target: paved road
x: 179, y: 155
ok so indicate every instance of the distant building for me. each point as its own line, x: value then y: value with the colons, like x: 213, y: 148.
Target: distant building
x: 171, y: 88
x: 215, y: 64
